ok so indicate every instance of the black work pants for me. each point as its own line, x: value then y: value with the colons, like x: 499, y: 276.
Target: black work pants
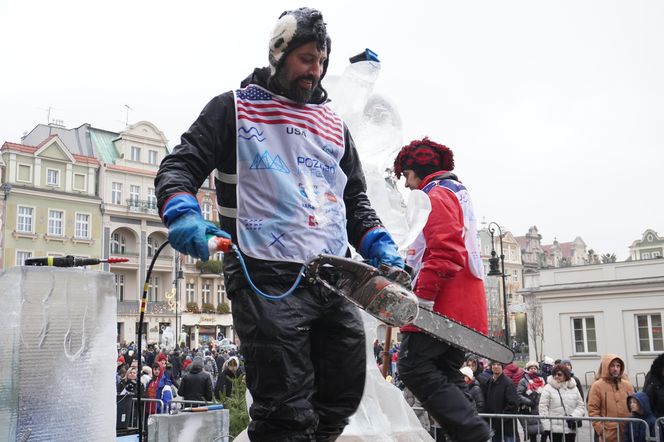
x: 430, y: 369
x: 305, y: 362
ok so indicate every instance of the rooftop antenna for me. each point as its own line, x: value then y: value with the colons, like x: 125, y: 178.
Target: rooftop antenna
x: 127, y: 118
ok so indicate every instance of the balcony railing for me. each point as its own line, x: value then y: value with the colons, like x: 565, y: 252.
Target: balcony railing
x: 142, y: 206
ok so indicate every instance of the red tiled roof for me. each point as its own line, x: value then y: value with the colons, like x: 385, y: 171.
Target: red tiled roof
x: 522, y: 241
x: 32, y: 149
x: 565, y: 248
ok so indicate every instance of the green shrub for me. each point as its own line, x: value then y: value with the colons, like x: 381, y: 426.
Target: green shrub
x: 223, y: 308
x: 207, y: 308
x: 236, y: 406
x: 192, y: 307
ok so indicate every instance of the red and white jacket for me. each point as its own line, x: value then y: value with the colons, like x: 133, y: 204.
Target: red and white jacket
x: 446, y: 255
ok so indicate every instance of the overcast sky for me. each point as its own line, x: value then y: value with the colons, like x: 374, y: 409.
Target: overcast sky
x: 555, y: 110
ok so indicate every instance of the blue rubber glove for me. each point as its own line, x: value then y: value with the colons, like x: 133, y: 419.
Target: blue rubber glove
x: 378, y: 247
x: 187, y: 230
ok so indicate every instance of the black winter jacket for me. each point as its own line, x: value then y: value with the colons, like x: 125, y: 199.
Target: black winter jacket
x: 210, y: 143
x: 196, y: 385
x: 501, y: 398
x: 654, y: 386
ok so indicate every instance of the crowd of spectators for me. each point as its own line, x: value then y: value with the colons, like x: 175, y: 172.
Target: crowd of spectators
x: 203, y: 374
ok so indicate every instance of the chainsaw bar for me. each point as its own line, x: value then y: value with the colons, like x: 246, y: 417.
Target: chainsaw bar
x: 458, y: 335
x: 385, y: 294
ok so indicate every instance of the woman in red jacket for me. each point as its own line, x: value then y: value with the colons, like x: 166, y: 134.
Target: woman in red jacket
x: 448, y: 280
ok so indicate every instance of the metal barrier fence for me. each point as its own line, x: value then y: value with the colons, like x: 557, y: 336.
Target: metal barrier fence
x: 128, y: 414
x: 592, y: 429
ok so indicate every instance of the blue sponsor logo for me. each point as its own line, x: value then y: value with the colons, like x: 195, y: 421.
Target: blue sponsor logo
x: 315, y: 166
x: 265, y: 161
x: 252, y: 132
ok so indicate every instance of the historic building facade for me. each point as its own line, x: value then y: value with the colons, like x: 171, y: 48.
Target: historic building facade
x: 90, y: 192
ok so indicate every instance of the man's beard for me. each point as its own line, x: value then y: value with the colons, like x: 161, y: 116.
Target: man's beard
x: 293, y: 90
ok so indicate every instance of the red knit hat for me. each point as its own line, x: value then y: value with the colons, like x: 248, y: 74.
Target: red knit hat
x: 424, y: 157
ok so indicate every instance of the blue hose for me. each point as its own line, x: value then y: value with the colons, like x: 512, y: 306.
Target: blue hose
x: 257, y: 290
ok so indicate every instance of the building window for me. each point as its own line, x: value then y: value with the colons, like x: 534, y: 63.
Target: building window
x: 190, y: 260
x: 585, y: 338
x: 152, y: 199
x: 153, y: 245
x: 650, y: 332
x: 657, y: 254
x: 220, y: 293
x: 515, y: 275
x: 206, y: 293
x: 153, y: 289
x: 135, y: 153
x: 152, y: 156
x: 52, y: 177
x: 207, y: 211
x: 116, y: 193
x: 22, y: 256
x: 118, y: 243
x: 645, y: 255
x: 134, y: 194
x: 79, y: 181
x: 55, y: 222
x: 82, y: 226
x: 190, y: 290
x: 25, y: 223
x: 650, y: 237
x: 119, y: 287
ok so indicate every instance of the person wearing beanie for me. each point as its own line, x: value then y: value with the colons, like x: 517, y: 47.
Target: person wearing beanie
x: 501, y: 398
x: 530, y: 390
x: 289, y: 186
x: 448, y: 279
x: 608, y: 397
x: 559, y: 399
x: 474, y: 388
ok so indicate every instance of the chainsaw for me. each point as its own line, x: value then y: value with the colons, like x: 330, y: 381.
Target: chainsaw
x: 382, y: 292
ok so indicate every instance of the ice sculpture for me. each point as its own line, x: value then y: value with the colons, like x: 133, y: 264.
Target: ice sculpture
x: 57, y: 362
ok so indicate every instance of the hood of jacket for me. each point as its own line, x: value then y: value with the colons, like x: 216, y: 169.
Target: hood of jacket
x: 644, y: 402
x: 604, y: 373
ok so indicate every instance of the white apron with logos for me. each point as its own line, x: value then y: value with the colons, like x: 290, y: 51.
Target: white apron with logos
x: 289, y: 183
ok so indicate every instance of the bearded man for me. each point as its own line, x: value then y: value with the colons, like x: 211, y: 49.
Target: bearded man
x: 289, y: 186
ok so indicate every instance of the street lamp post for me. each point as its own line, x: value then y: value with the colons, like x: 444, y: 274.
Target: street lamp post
x: 493, y: 271
x: 178, y: 276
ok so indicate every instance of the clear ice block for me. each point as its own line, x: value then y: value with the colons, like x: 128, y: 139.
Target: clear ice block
x: 57, y: 355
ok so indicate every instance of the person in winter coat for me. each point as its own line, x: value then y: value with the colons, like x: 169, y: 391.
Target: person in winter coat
x: 639, y: 405
x: 153, y: 387
x: 480, y: 375
x: 474, y: 388
x: 514, y: 372
x: 560, y: 398
x: 224, y: 384
x: 567, y: 363
x: 501, y: 398
x: 654, y: 388
x: 448, y: 280
x: 529, y: 391
x: 300, y: 194
x: 197, y: 384
x: 608, y: 397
